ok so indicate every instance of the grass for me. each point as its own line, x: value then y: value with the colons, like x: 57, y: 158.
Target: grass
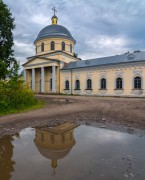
x: 38, y: 105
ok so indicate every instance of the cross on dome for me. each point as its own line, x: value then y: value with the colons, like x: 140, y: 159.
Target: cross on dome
x: 54, y: 10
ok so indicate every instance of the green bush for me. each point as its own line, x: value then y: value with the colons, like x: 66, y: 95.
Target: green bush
x: 15, y: 95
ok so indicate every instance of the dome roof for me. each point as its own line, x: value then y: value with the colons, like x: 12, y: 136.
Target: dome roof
x: 55, y: 155
x: 53, y: 31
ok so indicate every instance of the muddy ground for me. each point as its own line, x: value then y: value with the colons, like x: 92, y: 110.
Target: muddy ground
x: 106, y: 112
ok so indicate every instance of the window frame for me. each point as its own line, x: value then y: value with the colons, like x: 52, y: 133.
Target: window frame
x: 103, y: 83
x: 138, y: 82
x: 77, y: 84
x: 89, y: 84
x: 119, y: 83
x: 70, y: 48
x: 52, y: 46
x: 42, y: 47
x: 50, y: 83
x: 67, y: 85
x: 63, y: 46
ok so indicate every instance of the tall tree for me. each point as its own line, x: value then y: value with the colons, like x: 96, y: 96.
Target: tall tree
x: 7, y: 59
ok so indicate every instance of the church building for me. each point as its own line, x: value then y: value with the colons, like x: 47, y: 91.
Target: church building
x: 55, y: 68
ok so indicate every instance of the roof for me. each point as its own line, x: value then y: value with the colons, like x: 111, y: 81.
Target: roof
x: 54, y: 31
x: 104, y: 61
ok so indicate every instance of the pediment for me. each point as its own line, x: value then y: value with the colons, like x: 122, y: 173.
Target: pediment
x: 39, y: 60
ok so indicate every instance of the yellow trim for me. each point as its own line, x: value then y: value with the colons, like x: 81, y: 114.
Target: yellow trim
x: 54, y: 21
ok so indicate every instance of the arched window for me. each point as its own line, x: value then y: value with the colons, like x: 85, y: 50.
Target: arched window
x: 67, y: 84
x: 89, y: 84
x: 42, y: 47
x: 71, y: 48
x: 63, y: 46
x: 77, y: 85
x: 51, y: 84
x: 119, y: 83
x: 103, y: 83
x: 52, y: 45
x: 137, y: 82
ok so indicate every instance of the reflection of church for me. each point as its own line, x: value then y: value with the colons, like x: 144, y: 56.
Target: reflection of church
x: 55, y: 143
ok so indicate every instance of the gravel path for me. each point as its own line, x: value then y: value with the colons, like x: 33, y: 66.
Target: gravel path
x: 104, y: 112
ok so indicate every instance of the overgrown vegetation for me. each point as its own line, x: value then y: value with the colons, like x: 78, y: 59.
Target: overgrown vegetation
x: 14, y: 94
x: 15, y: 97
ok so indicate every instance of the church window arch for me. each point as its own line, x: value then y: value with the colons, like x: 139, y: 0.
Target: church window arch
x: 103, y: 83
x: 137, y: 82
x: 67, y: 85
x: 52, y: 45
x: 42, y: 47
x: 77, y: 84
x: 63, y: 46
x: 89, y: 84
x: 119, y: 83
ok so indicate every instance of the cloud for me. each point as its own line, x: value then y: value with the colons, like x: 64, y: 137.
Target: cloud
x: 22, y: 50
x: 100, y: 27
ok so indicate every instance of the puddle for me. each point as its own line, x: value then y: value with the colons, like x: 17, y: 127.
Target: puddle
x: 71, y: 152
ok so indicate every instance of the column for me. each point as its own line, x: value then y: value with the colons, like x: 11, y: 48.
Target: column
x: 53, y: 79
x: 42, y: 79
x: 33, y: 79
x: 25, y: 77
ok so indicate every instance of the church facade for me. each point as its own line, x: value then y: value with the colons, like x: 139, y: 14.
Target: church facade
x: 55, y: 68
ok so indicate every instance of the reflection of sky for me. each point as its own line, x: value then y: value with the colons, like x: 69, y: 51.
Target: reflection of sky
x: 96, y: 151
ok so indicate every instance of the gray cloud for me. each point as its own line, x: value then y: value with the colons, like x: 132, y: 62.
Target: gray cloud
x: 100, y: 27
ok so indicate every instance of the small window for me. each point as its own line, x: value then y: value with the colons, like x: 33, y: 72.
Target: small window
x: 71, y: 48
x: 52, y: 45
x: 52, y: 138
x: 42, y: 137
x: 51, y: 84
x: 42, y: 47
x: 67, y: 85
x: 89, y: 84
x: 137, y: 83
x: 119, y: 83
x: 77, y: 85
x: 63, y: 138
x: 63, y: 46
x: 103, y: 83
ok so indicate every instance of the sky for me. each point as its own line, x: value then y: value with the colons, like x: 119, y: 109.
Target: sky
x: 100, y: 27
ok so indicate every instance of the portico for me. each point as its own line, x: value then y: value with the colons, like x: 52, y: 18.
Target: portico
x: 42, y: 79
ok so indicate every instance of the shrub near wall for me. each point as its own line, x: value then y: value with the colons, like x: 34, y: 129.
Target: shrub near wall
x: 15, y: 96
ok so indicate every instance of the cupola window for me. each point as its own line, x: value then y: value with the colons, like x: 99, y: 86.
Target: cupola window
x: 63, y: 46
x: 42, y: 47
x: 71, y: 48
x: 52, y: 45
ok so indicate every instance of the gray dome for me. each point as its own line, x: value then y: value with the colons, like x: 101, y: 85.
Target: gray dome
x: 54, y: 31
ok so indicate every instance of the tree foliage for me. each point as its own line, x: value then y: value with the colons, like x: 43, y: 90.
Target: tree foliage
x: 7, y: 60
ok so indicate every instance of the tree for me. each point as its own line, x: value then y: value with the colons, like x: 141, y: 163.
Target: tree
x: 7, y: 61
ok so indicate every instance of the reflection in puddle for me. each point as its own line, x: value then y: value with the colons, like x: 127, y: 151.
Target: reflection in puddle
x: 55, y: 143
x: 6, y: 153
x: 68, y: 152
